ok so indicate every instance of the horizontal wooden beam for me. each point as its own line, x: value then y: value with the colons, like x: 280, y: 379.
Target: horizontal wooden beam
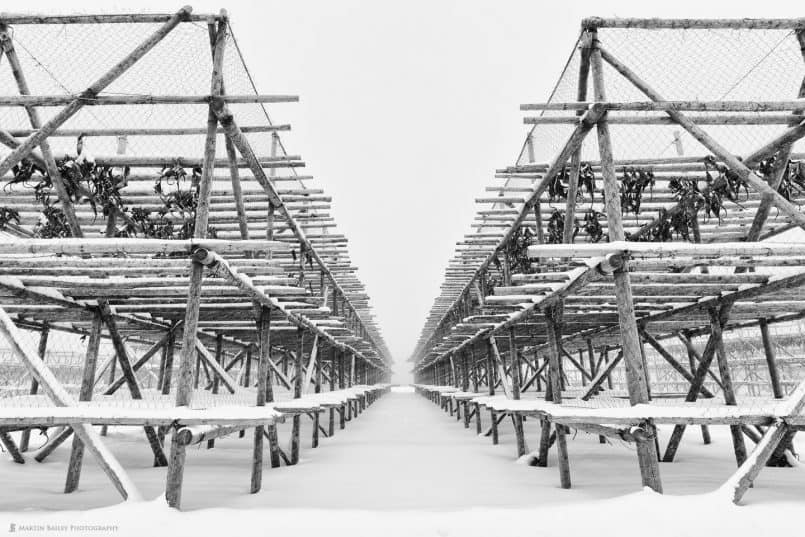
x: 81, y: 246
x: 118, y: 18
x: 731, y: 119
x: 98, y: 100
x: 145, y: 132
x: 592, y: 23
x: 662, y: 106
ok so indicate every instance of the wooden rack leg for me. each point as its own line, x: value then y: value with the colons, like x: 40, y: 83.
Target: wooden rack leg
x: 11, y: 447
x: 705, y: 429
x: 552, y: 328
x: 87, y: 383
x: 729, y: 393
x: 630, y: 340
x: 43, y: 343
x: 297, y: 393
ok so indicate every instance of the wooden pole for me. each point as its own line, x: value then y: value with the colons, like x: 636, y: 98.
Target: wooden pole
x: 553, y: 329
x: 297, y: 393
x: 184, y: 384
x: 490, y: 376
x: 42, y: 349
x: 216, y: 380
x: 517, y: 418
x: 630, y: 339
x: 771, y: 360
x: 692, y: 361
x: 726, y: 378
x: 87, y: 383
x: 263, y: 385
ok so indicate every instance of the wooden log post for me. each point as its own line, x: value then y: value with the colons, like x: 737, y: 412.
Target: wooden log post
x: 476, y: 368
x: 726, y: 378
x: 350, y: 368
x: 263, y: 389
x: 25, y: 437
x: 342, y: 384
x: 184, y: 384
x: 553, y: 329
x: 87, y: 383
x: 297, y: 393
x: 8, y: 442
x: 517, y: 418
x: 465, y: 386
x: 316, y: 363
x: 216, y: 380
x: 490, y: 381
x: 593, y: 372
x: 771, y: 359
x: 692, y: 361
x: 630, y: 339
x: 331, y: 413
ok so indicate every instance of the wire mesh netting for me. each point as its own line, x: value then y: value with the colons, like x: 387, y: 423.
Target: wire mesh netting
x: 690, y: 64
x: 65, y: 59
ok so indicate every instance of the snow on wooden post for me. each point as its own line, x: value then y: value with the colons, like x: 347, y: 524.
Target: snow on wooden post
x: 771, y: 359
x: 517, y: 418
x: 490, y: 382
x: 630, y: 339
x: 331, y: 412
x: 555, y: 380
x: 297, y: 393
x: 184, y: 385
x: 476, y: 376
x: 263, y: 373
x: 87, y: 383
x: 43, y: 343
x: 342, y: 384
x: 726, y: 378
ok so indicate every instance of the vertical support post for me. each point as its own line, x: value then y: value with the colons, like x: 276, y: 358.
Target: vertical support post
x: 705, y: 429
x: 630, y: 339
x: 342, y: 384
x: 87, y: 383
x: 517, y: 419
x: 555, y: 382
x: 331, y: 412
x: 490, y: 378
x: 263, y: 372
x: 726, y: 379
x: 41, y: 350
x: 476, y: 378
x: 184, y: 385
x: 317, y: 389
x: 771, y: 360
x: 297, y: 393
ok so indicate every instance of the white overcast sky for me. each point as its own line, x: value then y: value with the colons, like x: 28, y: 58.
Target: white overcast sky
x: 406, y: 109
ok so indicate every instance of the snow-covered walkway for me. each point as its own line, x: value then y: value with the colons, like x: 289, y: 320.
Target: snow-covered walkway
x: 405, y: 468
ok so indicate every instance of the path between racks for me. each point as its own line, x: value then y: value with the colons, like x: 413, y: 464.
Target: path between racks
x: 402, y: 453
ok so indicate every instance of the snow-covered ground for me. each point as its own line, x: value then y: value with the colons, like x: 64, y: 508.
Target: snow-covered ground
x: 404, y: 468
